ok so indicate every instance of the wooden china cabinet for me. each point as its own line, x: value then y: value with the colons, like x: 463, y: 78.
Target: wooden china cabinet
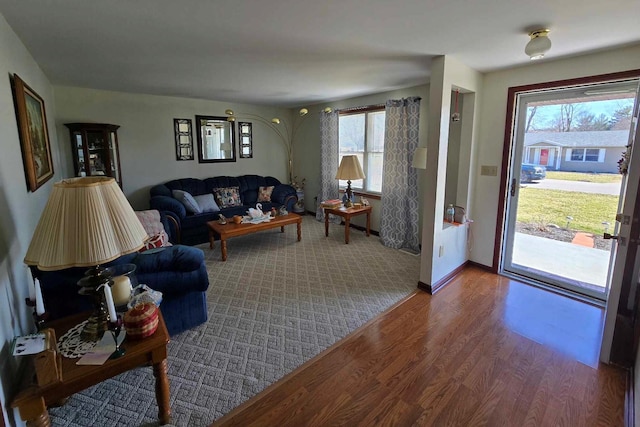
x: 95, y: 150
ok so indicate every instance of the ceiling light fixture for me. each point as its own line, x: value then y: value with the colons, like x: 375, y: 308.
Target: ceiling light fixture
x: 539, y: 44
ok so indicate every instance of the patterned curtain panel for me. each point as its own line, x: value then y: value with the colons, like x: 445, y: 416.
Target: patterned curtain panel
x: 328, y: 160
x: 399, y: 213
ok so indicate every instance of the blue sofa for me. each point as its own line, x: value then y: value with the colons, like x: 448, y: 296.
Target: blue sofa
x: 193, y: 229
x: 177, y: 271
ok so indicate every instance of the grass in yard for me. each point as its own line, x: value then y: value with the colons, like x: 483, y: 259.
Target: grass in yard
x: 588, y: 210
x: 585, y: 177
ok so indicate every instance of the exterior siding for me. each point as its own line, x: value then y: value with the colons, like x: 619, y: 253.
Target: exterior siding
x: 609, y: 165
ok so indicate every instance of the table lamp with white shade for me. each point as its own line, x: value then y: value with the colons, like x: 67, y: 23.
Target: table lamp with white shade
x: 350, y: 169
x: 86, y: 222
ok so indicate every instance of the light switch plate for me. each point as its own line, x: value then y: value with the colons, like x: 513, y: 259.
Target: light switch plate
x: 489, y: 170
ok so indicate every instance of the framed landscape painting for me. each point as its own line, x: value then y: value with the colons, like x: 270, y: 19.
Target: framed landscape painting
x: 34, y: 135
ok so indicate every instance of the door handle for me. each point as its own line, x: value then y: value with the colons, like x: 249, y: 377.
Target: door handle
x: 513, y: 187
x: 621, y: 240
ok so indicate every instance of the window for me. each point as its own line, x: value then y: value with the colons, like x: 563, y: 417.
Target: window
x: 577, y: 155
x: 362, y: 134
x: 586, y: 155
x: 591, y: 155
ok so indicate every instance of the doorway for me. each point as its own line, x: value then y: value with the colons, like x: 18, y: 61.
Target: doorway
x: 564, y: 185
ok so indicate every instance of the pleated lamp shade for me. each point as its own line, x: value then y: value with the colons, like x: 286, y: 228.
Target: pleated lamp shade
x: 86, y: 222
x: 350, y: 168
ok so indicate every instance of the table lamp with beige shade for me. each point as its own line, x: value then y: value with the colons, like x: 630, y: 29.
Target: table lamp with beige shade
x: 86, y: 222
x: 349, y: 169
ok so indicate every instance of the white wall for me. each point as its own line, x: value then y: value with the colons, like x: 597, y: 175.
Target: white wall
x: 307, y: 156
x: 453, y: 154
x: 442, y: 252
x: 20, y: 209
x: 146, y: 138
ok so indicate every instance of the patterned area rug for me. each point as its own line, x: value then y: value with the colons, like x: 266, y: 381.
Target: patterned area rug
x: 274, y: 304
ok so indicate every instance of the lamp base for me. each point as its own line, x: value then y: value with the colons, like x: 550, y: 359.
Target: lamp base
x: 348, y: 202
x: 96, y: 326
x: 89, y: 285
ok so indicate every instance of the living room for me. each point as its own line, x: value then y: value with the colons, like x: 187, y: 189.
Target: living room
x: 147, y: 153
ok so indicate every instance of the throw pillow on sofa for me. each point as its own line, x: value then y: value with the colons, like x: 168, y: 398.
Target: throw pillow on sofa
x: 227, y: 197
x: 264, y: 193
x: 158, y: 241
x: 206, y: 203
x: 187, y: 200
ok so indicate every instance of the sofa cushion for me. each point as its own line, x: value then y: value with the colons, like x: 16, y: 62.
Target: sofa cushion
x: 264, y: 193
x: 187, y: 200
x: 191, y: 221
x: 206, y: 203
x: 227, y: 197
x: 193, y: 186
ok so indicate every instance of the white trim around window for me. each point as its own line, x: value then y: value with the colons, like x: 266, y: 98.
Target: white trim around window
x: 593, y: 155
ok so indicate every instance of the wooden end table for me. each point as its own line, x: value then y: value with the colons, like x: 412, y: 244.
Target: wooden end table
x: 347, y: 213
x: 32, y: 400
x: 231, y: 229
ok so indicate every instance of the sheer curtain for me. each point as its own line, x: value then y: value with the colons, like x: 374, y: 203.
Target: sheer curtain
x: 328, y: 159
x: 399, y: 213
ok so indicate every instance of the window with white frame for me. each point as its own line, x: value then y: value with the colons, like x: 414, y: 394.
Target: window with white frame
x: 585, y: 155
x: 362, y: 134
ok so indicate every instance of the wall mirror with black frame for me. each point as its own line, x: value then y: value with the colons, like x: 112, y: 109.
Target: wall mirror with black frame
x: 216, y: 139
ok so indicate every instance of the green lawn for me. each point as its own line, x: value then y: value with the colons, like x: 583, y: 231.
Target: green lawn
x: 553, y: 206
x: 586, y: 177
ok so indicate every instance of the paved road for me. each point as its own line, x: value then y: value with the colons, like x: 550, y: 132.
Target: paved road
x: 579, y: 186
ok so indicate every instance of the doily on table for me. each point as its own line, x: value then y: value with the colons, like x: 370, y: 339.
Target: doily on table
x: 72, y: 346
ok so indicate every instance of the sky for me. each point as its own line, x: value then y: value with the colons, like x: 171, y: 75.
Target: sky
x: 545, y: 113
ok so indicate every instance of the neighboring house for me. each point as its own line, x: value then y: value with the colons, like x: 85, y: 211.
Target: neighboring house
x: 588, y: 151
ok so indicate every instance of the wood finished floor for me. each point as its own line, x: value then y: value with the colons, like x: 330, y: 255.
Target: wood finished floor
x: 485, y: 350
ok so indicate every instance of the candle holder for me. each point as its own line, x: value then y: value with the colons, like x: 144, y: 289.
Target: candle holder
x: 115, y: 328
x: 38, y: 319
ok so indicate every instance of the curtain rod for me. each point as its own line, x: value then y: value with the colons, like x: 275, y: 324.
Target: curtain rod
x: 360, y: 108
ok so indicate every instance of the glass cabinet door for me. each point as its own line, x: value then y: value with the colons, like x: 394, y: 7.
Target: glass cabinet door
x: 95, y: 150
x: 98, y: 154
x: 114, y: 158
x: 78, y: 158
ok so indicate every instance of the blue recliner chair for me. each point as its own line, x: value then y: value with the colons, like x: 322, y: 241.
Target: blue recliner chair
x: 177, y: 271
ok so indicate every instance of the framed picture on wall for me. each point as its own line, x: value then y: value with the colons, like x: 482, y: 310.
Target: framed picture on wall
x: 184, y: 139
x: 34, y: 135
x: 246, y: 140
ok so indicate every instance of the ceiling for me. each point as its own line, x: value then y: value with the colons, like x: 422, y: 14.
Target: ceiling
x: 297, y: 52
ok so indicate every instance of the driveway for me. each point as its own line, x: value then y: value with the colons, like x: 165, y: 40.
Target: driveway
x: 578, y: 186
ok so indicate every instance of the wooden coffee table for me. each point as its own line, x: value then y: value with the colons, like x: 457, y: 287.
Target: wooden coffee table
x: 223, y: 232
x: 32, y: 400
x: 346, y: 213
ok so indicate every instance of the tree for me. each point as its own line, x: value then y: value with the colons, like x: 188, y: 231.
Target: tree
x: 586, y: 121
x: 564, y: 120
x: 621, y: 119
x: 531, y: 113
